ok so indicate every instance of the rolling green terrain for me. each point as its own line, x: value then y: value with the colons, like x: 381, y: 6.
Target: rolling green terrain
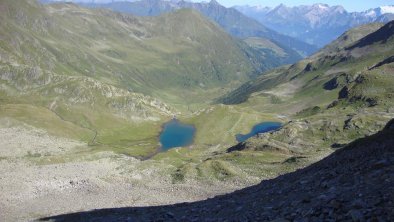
x: 230, y: 19
x: 107, y: 74
x: 334, y: 68
x: 84, y: 94
x: 100, y: 77
x: 341, y: 93
x: 157, y: 56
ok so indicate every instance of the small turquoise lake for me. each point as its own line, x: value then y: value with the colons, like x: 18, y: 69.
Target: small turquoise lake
x: 259, y: 128
x: 176, y: 134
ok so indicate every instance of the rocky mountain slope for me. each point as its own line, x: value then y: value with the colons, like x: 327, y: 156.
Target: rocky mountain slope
x: 355, y: 183
x: 73, y: 140
x: 346, y: 58
x: 337, y: 95
x: 317, y: 24
x: 101, y: 72
x: 229, y: 19
x: 116, y: 49
x: 326, y: 102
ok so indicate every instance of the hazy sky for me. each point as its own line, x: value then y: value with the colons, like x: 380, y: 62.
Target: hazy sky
x: 350, y: 5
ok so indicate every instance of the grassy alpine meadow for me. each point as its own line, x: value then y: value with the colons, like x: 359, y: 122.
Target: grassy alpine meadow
x: 85, y: 93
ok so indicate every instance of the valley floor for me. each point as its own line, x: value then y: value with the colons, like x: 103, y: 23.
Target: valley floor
x: 82, y: 105
x: 353, y: 184
x: 69, y: 178
x: 43, y: 175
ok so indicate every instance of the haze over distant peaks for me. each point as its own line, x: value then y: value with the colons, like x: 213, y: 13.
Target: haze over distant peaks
x: 387, y: 9
x: 316, y: 24
x: 380, y: 11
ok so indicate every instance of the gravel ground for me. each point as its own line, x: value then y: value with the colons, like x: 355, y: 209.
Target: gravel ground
x: 355, y: 183
x: 20, y: 142
x: 69, y: 180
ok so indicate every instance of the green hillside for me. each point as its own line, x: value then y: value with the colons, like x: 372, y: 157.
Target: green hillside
x: 339, y: 94
x: 155, y: 56
x: 230, y: 19
x: 336, y: 60
x: 84, y: 94
x: 113, y: 78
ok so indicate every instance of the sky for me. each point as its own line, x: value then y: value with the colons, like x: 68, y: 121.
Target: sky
x: 350, y: 5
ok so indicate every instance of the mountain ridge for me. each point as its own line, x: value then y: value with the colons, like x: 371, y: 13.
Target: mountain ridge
x: 142, y: 37
x: 104, y: 72
x: 323, y: 23
x: 231, y: 20
x: 85, y: 93
x: 346, y: 49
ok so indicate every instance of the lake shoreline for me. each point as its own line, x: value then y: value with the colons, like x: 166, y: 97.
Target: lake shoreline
x: 262, y: 127
x: 160, y: 149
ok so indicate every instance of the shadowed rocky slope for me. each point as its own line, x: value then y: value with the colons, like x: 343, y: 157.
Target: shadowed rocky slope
x: 355, y: 183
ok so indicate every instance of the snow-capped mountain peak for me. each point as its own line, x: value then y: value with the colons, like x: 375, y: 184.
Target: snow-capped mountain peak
x: 322, y: 6
x: 387, y: 9
x: 373, y: 13
x: 262, y: 8
x: 319, y: 23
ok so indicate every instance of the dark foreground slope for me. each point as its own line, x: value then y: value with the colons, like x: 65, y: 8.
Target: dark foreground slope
x: 355, y: 183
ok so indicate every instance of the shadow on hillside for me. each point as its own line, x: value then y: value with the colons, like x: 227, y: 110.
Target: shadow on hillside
x: 174, y: 212
x: 293, y: 194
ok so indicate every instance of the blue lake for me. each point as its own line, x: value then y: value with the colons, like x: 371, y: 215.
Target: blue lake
x: 259, y: 128
x: 176, y: 134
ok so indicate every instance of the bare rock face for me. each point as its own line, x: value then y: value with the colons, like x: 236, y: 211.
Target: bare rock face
x: 339, y: 81
x: 344, y: 93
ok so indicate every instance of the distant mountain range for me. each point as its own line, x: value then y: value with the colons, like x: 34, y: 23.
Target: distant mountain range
x: 104, y: 56
x: 230, y: 19
x: 317, y: 24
